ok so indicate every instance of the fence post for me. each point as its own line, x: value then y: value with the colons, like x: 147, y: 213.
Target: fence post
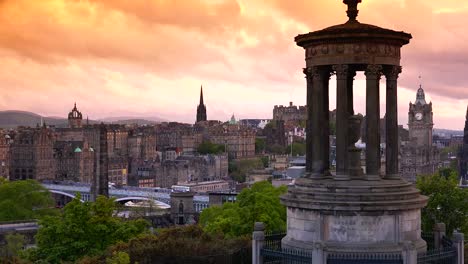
x: 258, y: 239
x: 439, y: 232
x: 458, y: 242
x: 409, y: 254
x: 317, y: 254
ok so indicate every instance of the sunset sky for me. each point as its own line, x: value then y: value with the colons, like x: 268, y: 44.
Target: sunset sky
x: 149, y: 58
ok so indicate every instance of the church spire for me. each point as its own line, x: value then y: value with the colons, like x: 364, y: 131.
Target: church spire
x: 201, y: 95
x: 466, y: 117
x: 201, y: 109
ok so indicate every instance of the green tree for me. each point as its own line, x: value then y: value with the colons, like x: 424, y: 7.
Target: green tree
x: 260, y: 145
x: 239, y: 169
x: 206, y: 147
x: 298, y: 148
x: 257, y: 203
x: 118, y: 258
x: 13, y: 246
x: 24, y: 200
x: 447, y: 202
x: 83, y: 229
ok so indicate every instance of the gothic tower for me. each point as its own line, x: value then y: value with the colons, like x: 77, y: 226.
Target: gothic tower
x: 201, y: 109
x: 420, y: 120
x: 74, y: 118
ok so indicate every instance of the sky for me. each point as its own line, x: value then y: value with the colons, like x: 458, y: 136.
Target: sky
x: 149, y: 58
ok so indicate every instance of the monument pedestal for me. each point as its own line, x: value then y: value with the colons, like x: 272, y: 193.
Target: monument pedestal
x: 353, y: 216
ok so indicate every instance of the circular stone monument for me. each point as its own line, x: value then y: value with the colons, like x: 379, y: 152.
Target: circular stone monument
x: 353, y: 210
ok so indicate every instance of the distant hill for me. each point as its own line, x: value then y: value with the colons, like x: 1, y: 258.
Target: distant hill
x: 132, y: 120
x: 14, y: 118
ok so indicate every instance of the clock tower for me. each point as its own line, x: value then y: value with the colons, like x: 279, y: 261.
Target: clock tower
x: 418, y: 155
x: 420, y: 122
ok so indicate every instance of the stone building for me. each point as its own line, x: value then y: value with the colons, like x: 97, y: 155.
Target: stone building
x: 75, y: 118
x: 419, y: 155
x: 182, y: 208
x: 463, y: 152
x: 290, y: 113
x: 74, y: 161
x: 117, y: 140
x: 118, y: 170
x: 183, y: 169
x: 32, y: 154
x: 142, y: 143
x: 239, y: 140
x: 350, y: 213
x: 5, y: 142
x: 275, y: 133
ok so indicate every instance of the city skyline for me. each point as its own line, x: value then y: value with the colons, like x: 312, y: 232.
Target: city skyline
x: 119, y: 58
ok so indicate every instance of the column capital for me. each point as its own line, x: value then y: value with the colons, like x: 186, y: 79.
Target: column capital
x: 373, y: 71
x: 342, y: 71
x: 392, y: 72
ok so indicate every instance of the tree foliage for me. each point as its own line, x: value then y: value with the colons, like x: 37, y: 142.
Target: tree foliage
x: 210, y: 148
x: 298, y: 149
x: 185, y: 244
x: 447, y: 202
x: 259, y: 203
x: 260, y: 145
x: 238, y: 169
x: 24, y: 200
x: 82, y: 229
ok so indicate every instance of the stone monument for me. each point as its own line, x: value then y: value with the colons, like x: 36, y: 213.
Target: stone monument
x: 353, y: 210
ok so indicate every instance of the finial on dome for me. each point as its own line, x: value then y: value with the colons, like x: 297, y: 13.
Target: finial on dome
x: 352, y: 8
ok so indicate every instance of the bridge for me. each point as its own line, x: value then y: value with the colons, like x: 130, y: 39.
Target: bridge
x: 124, y: 194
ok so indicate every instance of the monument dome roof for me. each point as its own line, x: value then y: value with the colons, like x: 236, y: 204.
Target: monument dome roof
x: 352, y: 30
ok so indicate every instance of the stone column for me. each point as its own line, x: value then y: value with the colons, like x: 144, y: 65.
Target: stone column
x: 391, y: 124
x: 326, y: 122
x: 318, y: 254
x: 342, y: 115
x: 309, y: 80
x: 409, y: 254
x: 372, y: 73
x: 439, y: 231
x: 458, y: 242
x: 258, y: 240
x: 316, y: 118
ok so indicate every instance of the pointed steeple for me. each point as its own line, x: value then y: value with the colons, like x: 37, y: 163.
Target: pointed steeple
x: 201, y: 95
x: 201, y: 109
x: 466, y: 117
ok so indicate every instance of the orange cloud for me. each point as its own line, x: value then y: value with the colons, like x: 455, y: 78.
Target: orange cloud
x: 149, y: 57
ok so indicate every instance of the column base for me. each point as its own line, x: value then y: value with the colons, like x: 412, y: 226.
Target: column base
x: 372, y: 177
x: 392, y: 176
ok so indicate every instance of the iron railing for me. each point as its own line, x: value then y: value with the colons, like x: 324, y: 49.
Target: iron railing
x: 273, y: 253
x: 447, y: 254
x: 438, y: 256
x: 365, y: 258
x: 429, y: 238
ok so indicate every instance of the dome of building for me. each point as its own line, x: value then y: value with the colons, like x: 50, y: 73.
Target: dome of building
x: 77, y: 150
x: 75, y: 114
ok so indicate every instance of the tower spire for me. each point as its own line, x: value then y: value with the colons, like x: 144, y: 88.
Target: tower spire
x: 466, y: 117
x: 201, y: 109
x: 201, y: 95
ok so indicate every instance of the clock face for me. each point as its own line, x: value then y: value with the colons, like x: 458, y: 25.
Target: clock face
x: 418, y: 116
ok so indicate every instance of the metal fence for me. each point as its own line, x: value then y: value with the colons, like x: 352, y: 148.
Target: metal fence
x: 429, y: 238
x: 365, y: 258
x: 273, y: 253
x: 447, y: 254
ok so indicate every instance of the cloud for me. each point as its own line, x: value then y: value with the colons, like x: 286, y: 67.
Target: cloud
x: 149, y: 57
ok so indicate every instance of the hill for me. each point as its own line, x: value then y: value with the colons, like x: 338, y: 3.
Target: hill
x: 14, y: 118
